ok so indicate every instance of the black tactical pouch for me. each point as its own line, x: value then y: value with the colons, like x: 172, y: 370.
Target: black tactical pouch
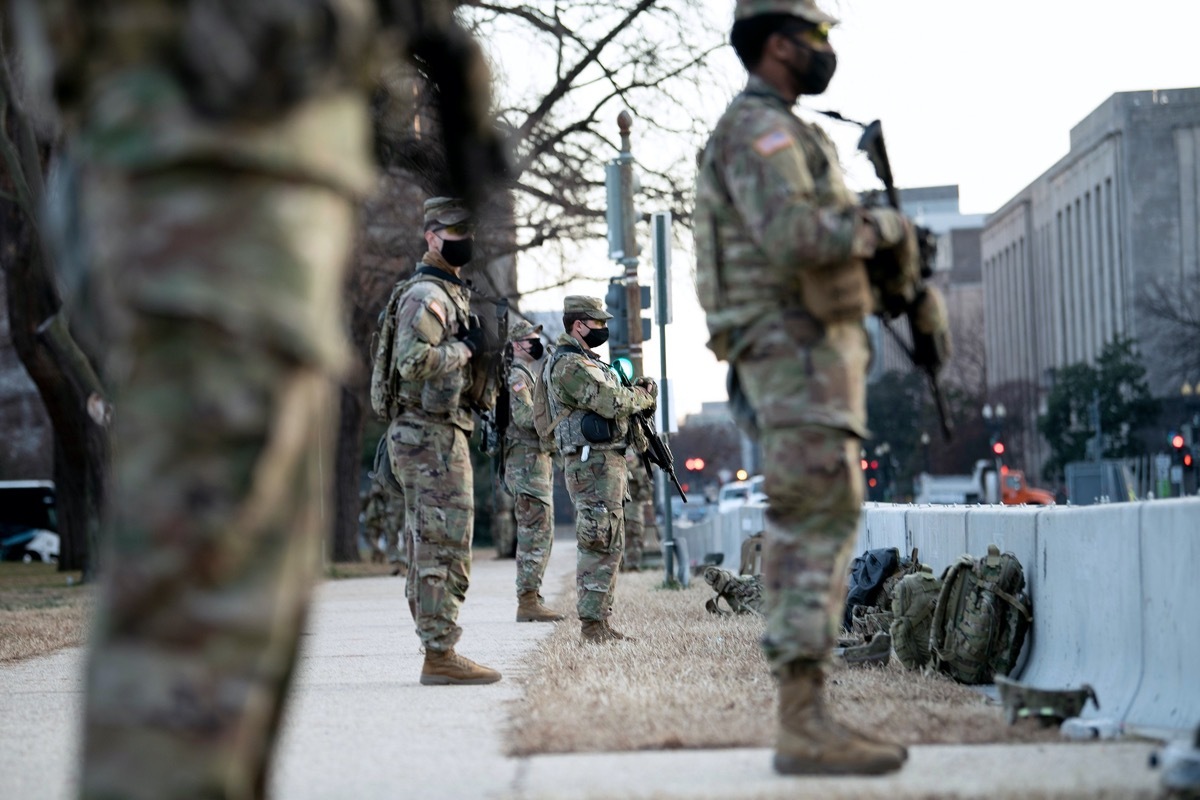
x: 595, y: 428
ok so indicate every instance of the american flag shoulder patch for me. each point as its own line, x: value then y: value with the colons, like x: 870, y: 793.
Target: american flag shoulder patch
x: 518, y: 386
x: 437, y: 310
x: 771, y: 143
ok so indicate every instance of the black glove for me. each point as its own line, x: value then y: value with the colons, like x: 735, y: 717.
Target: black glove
x: 473, y: 336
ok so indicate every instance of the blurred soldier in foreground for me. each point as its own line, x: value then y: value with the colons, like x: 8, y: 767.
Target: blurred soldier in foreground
x: 640, y: 493
x: 226, y: 147
x: 591, y: 411
x: 434, y: 342
x: 528, y: 474
x: 781, y: 246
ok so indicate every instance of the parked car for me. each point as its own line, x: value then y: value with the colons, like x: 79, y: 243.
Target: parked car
x: 732, y: 495
x: 28, y: 521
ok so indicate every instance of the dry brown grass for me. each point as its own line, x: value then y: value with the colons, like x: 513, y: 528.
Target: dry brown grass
x: 693, y: 680
x: 39, y: 611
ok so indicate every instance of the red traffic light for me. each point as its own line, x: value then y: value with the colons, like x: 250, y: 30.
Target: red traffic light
x: 694, y: 464
x: 1177, y: 442
x: 998, y: 448
x: 864, y: 465
x: 874, y: 465
x: 1187, y: 459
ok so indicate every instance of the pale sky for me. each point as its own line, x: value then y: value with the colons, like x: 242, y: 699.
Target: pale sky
x: 982, y: 95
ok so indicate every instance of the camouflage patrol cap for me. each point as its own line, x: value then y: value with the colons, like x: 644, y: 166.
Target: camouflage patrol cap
x: 804, y: 9
x: 587, y: 307
x: 520, y: 329
x: 443, y: 211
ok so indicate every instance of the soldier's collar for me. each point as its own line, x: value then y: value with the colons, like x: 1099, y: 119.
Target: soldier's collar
x: 757, y: 87
x: 441, y: 274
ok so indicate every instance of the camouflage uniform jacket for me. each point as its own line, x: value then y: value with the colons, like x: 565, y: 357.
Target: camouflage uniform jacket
x: 521, y: 430
x: 778, y: 241
x: 580, y: 382
x: 432, y: 364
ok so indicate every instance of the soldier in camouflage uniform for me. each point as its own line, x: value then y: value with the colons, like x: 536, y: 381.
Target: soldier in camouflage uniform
x: 591, y: 409
x: 383, y: 519
x: 528, y: 474
x: 640, y: 489
x: 218, y: 208
x: 781, y: 246
x: 427, y: 439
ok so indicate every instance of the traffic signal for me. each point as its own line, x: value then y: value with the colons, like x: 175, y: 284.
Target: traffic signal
x: 1177, y: 441
x: 998, y: 447
x: 1189, y: 461
x: 623, y: 365
x: 618, y: 326
x: 694, y: 464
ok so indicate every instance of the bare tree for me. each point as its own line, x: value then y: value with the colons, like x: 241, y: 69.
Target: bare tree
x: 70, y: 388
x: 1173, y: 308
x: 560, y: 123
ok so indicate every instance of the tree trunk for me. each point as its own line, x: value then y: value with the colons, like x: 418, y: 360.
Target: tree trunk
x: 68, y: 387
x: 346, y: 480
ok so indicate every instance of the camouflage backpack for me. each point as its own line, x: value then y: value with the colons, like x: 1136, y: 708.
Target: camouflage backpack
x: 743, y: 593
x: 981, y: 617
x: 914, y: 599
x: 383, y: 376
x: 543, y: 418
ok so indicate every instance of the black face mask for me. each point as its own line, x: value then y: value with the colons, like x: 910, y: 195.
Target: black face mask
x: 457, y: 252
x: 819, y: 72
x: 595, y: 337
x: 536, y: 350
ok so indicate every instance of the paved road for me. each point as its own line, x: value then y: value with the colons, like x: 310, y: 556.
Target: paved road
x: 360, y: 726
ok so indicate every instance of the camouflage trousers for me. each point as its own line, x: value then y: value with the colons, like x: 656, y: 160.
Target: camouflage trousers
x: 635, y: 526
x: 813, y: 480
x: 216, y: 518
x: 433, y: 465
x: 528, y: 474
x: 597, y: 488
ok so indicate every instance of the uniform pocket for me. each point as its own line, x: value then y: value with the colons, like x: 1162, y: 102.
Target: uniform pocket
x: 837, y: 294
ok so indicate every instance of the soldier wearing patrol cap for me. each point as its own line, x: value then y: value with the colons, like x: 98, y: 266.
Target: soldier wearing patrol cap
x: 427, y: 439
x: 591, y: 409
x: 781, y: 246
x: 528, y: 474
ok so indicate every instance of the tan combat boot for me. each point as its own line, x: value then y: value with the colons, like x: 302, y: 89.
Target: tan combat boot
x: 594, y: 630
x: 616, y: 634
x: 810, y: 742
x: 451, y: 669
x: 530, y: 609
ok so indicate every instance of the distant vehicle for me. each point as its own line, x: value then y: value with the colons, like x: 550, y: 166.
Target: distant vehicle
x: 982, y: 486
x: 28, y: 521
x: 732, y: 495
x: 757, y: 493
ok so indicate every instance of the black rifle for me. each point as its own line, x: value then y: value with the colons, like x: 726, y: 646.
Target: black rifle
x: 658, y: 453
x: 924, y: 351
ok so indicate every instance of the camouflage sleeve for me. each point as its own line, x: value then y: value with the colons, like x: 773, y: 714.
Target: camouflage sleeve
x: 520, y: 394
x: 583, y: 384
x: 423, y: 347
x: 764, y: 161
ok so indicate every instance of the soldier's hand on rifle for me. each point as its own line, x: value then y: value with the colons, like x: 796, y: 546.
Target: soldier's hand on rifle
x: 648, y: 384
x: 894, y: 267
x: 473, y: 337
x: 931, y: 329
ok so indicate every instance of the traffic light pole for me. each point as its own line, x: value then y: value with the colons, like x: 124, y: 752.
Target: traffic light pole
x: 629, y: 245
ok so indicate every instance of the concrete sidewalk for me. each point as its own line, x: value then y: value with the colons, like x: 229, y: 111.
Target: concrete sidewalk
x: 361, y: 726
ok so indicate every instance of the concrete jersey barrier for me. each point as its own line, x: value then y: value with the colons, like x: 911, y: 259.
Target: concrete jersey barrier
x: 1114, y: 589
